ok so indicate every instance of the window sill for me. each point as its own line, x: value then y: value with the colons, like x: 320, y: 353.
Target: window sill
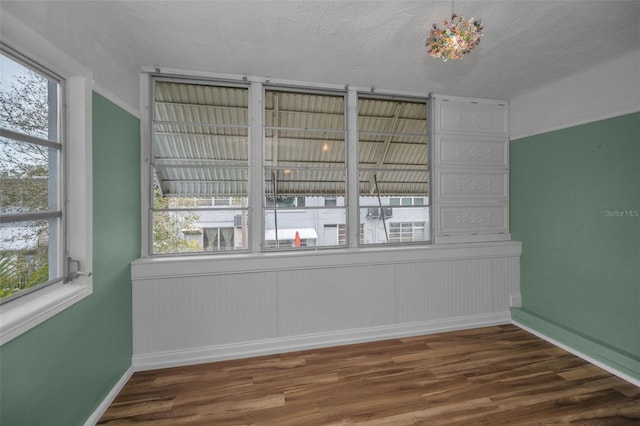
x: 186, y: 266
x: 23, y: 314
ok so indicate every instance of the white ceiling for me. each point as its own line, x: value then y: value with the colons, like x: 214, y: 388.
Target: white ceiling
x: 363, y: 43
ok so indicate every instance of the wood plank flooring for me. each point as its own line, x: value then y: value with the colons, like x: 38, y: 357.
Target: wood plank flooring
x: 487, y: 376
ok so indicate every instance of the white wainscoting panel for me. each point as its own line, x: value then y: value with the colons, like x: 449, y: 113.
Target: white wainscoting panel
x: 196, y: 310
x: 437, y: 290
x: 190, y: 312
x: 330, y: 299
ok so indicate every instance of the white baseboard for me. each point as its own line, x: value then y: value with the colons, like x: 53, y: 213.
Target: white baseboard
x: 295, y: 343
x: 97, y: 414
x: 579, y: 354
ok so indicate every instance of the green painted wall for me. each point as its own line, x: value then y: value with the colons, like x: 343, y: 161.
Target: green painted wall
x: 575, y: 201
x: 59, y: 372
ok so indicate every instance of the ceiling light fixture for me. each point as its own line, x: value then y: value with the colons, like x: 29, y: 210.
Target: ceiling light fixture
x: 455, y: 38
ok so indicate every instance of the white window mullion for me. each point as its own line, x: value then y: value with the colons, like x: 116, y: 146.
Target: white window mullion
x: 352, y: 169
x: 256, y: 173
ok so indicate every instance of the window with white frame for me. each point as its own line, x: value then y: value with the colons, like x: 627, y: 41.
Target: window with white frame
x: 46, y: 239
x: 199, y: 168
x: 304, y: 158
x: 393, y: 167
x: 204, y: 147
x: 31, y: 177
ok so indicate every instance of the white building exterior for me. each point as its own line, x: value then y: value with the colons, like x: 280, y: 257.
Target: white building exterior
x: 318, y: 222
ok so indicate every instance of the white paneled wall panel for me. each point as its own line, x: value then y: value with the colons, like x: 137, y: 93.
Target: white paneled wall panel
x: 456, y: 288
x: 331, y: 299
x: 190, y: 312
x: 475, y: 116
x: 474, y: 151
x: 470, y: 169
x: 473, y: 185
x: 473, y: 219
x: 270, y: 307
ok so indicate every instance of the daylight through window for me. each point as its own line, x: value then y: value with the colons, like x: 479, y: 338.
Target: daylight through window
x: 31, y: 217
x: 200, y: 168
x: 393, y: 171
x: 305, y: 159
x: 202, y: 144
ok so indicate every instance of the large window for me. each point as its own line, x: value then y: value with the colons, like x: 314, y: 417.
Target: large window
x: 31, y: 178
x: 222, y: 154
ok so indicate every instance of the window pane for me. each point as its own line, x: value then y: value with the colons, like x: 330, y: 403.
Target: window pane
x: 25, y: 176
x: 192, y: 231
x: 201, y: 151
x: 30, y: 181
x: 28, y: 100
x: 301, y: 183
x: 389, y: 225
x: 26, y: 255
x: 304, y: 170
x: 406, y: 231
x: 312, y: 227
x: 204, y: 184
x: 393, y: 170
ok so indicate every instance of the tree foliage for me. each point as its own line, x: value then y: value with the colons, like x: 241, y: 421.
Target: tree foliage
x: 169, y: 226
x: 24, y: 180
x: 24, y: 105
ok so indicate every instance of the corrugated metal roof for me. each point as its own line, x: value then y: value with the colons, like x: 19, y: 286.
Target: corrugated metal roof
x: 201, y: 142
x: 305, y: 180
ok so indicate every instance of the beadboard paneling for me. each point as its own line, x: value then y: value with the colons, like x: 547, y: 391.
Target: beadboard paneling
x: 335, y: 299
x: 226, y: 313
x: 176, y: 314
x: 437, y: 290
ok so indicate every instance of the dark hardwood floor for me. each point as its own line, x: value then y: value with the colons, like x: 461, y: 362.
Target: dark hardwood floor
x: 487, y: 376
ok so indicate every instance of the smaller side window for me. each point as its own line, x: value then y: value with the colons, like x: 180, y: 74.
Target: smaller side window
x: 31, y: 216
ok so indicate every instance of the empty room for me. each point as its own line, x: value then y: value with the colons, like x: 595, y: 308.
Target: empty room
x: 319, y: 212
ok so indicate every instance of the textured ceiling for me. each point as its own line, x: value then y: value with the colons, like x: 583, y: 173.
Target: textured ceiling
x: 363, y: 43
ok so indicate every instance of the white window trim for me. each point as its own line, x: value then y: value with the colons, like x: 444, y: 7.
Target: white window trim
x: 23, y: 313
